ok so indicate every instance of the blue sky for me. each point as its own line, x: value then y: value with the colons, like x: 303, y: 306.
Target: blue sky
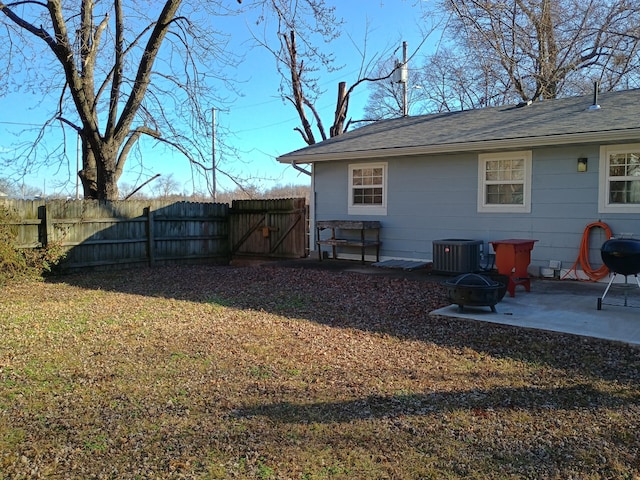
x: 260, y: 124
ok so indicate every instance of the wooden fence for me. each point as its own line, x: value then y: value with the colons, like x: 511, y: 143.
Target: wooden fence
x: 126, y: 233
x: 269, y: 228
x: 134, y: 232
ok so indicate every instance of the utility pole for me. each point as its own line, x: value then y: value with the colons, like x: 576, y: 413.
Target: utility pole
x: 405, y: 89
x: 401, y: 75
x: 78, y: 146
x: 213, y: 153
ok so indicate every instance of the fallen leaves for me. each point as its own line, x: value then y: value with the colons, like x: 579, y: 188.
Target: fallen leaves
x: 261, y: 372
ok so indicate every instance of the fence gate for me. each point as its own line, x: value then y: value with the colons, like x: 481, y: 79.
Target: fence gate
x: 269, y: 228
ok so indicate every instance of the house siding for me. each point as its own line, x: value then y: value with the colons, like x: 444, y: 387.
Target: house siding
x: 435, y: 197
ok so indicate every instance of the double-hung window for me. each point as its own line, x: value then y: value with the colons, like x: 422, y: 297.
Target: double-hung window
x: 619, y: 178
x: 504, y: 182
x: 368, y: 189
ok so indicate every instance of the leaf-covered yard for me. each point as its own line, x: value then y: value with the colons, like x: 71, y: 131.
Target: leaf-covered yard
x: 288, y: 373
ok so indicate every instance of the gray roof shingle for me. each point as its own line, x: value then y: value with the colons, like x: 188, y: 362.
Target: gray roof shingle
x: 549, y: 122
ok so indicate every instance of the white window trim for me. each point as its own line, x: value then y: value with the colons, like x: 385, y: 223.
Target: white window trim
x: 603, y: 184
x: 367, y: 209
x: 484, y: 207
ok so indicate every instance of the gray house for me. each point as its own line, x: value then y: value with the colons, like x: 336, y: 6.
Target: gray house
x: 544, y: 171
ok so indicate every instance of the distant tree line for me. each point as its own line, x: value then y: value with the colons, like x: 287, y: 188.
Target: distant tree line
x: 170, y: 189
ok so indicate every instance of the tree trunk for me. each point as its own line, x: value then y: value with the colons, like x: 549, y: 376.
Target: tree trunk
x: 341, y: 111
x: 108, y: 175
x: 107, y: 185
x: 99, y: 175
x: 549, y: 53
x: 89, y: 173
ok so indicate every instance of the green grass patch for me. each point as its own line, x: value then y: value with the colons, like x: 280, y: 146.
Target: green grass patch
x: 106, y: 382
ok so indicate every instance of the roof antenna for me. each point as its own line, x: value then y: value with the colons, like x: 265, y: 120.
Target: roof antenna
x: 595, y: 105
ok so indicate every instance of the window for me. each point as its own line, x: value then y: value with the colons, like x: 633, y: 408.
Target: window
x: 619, y: 178
x: 504, y: 182
x: 368, y: 189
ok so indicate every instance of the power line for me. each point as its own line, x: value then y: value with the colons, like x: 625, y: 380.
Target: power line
x: 21, y: 124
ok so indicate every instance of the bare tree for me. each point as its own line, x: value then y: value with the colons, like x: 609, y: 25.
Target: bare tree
x: 120, y: 71
x: 251, y: 192
x: 8, y: 188
x: 386, y: 97
x: 13, y: 189
x: 289, y: 191
x: 166, y: 187
x: 302, y: 26
x: 455, y: 82
x: 535, y: 49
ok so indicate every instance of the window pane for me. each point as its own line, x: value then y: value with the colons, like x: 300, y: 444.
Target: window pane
x: 367, y: 185
x: 493, y: 170
x: 624, y: 192
x: 624, y: 164
x: 634, y: 165
x: 517, y: 169
x: 377, y: 196
x: 617, y: 159
x: 624, y: 178
x: 357, y: 176
x: 505, y: 181
x: 616, y: 171
x: 505, y: 170
x: 367, y: 196
x: 505, y: 194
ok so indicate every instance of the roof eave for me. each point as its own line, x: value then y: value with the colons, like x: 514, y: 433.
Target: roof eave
x: 510, y: 143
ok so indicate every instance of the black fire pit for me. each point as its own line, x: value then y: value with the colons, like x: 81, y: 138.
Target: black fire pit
x: 475, y: 290
x: 621, y: 256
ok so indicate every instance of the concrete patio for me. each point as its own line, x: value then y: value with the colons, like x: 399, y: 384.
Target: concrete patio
x: 565, y: 306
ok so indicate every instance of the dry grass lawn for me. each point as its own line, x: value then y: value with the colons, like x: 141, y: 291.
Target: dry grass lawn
x: 284, y: 373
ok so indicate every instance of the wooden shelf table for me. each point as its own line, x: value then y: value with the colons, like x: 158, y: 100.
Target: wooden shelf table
x: 364, y: 234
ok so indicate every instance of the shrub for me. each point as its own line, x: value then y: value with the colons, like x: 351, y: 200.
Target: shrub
x: 18, y: 264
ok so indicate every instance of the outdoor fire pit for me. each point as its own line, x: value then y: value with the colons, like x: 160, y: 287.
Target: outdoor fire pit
x: 475, y: 290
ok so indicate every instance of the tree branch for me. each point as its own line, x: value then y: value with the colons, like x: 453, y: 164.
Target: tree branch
x: 144, y: 68
x: 22, y: 23
x: 117, y: 70
x: 133, y: 138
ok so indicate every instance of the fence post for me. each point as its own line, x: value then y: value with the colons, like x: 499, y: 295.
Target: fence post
x: 46, y: 225
x: 150, y: 241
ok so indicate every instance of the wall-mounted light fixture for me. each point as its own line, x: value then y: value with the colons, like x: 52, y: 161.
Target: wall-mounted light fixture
x: 582, y: 164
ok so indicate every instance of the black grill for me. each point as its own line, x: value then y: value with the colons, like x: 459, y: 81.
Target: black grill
x: 621, y: 256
